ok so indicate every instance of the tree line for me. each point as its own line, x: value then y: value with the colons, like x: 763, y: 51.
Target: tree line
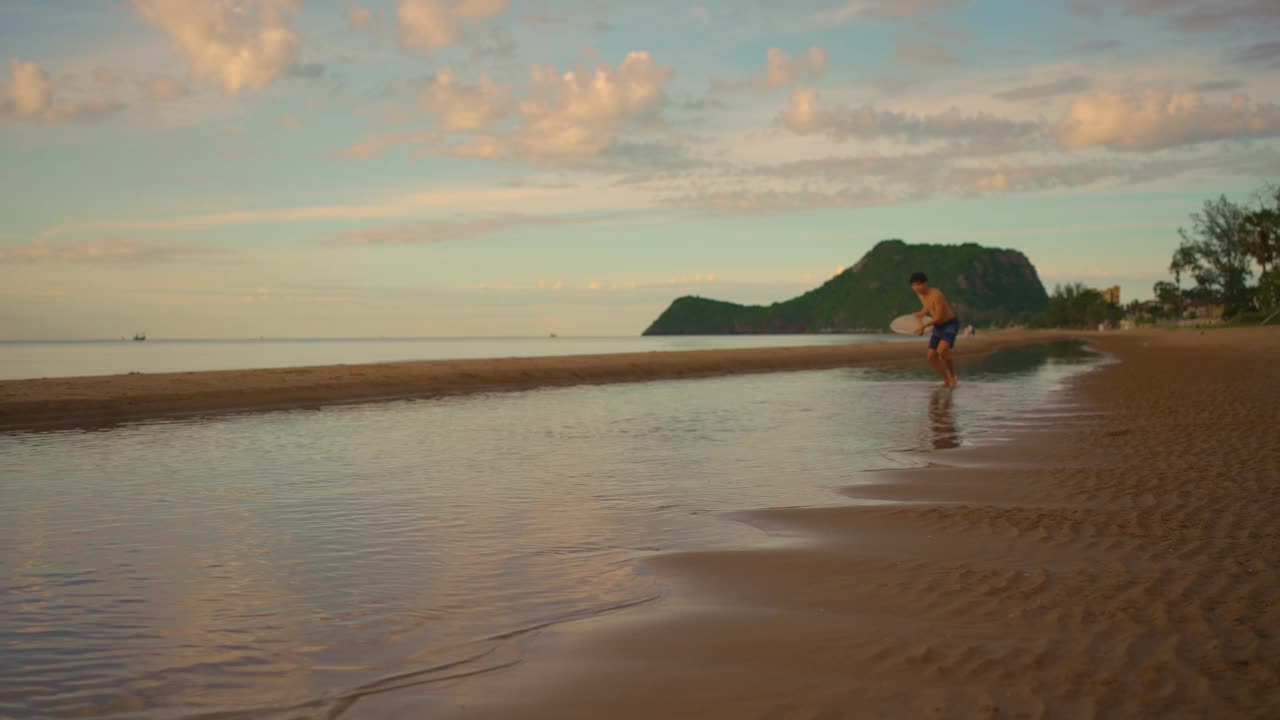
x: 1226, y: 246
x: 1227, y: 241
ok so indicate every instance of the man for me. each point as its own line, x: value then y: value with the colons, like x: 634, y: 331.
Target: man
x: 945, y: 326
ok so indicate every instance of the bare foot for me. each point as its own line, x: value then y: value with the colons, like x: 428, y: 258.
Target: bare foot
x: 952, y: 383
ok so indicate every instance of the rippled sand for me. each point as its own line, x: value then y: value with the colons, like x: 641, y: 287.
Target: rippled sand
x: 1123, y: 561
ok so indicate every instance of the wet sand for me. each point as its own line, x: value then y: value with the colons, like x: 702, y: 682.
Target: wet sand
x: 86, y: 401
x: 1122, y: 561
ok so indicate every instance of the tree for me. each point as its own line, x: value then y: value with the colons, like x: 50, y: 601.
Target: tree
x: 1263, y: 226
x: 1168, y: 295
x: 1077, y: 306
x: 1269, y: 289
x: 1215, y: 253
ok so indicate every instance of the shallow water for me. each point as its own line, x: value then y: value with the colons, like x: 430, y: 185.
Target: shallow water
x: 288, y: 564
x: 110, y: 357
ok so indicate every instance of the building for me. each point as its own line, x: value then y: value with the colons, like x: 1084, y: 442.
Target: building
x: 1207, y: 312
x: 1111, y: 294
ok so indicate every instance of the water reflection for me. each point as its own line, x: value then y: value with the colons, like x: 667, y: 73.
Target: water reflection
x: 248, y: 565
x: 1001, y: 365
x: 942, y: 420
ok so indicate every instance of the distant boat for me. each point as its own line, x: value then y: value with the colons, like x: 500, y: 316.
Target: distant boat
x: 554, y: 335
x: 139, y: 337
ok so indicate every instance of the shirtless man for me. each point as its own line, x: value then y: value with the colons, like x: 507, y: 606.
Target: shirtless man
x: 945, y: 327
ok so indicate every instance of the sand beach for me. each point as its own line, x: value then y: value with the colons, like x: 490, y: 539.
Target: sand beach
x: 1119, y: 562
x: 1114, y: 555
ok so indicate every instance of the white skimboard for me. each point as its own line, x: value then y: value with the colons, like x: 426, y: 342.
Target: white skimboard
x: 908, y: 324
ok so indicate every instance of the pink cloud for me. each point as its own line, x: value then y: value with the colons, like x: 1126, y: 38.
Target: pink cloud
x: 232, y: 45
x: 805, y: 116
x: 103, y: 250
x: 437, y: 24
x: 1157, y: 119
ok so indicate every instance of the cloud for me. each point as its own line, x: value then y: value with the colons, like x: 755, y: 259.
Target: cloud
x: 307, y: 71
x: 495, y: 46
x: 103, y: 250
x: 462, y: 107
x: 374, y: 146
x: 358, y: 16
x: 1159, y: 119
x: 29, y: 88
x: 567, y: 116
x: 105, y: 77
x: 437, y: 24
x: 31, y: 97
x: 1097, y: 46
x: 781, y: 69
x: 95, y: 108
x: 1005, y: 177
x: 745, y: 200
x: 477, y: 147
x: 1065, y: 86
x: 479, y: 8
x: 881, y: 10
x: 426, y: 23
x: 884, y: 179
x: 641, y: 157
x: 1218, y: 86
x: 922, y: 52
x: 1191, y: 16
x: 440, y: 231
x: 1263, y: 52
x: 187, y: 294
x: 235, y: 45
x: 164, y: 88
x: 839, y: 122
x: 578, y: 113
x: 1084, y: 8
x: 544, y: 18
x: 528, y: 199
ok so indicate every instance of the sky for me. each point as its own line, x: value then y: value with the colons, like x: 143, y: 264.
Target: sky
x: 409, y: 168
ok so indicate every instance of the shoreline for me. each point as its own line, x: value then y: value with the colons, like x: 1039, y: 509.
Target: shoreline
x: 1117, y: 559
x: 63, y: 403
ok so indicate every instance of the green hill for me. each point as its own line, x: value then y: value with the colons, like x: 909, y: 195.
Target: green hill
x: 987, y: 285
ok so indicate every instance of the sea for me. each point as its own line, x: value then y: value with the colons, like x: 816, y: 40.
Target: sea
x: 305, y: 563
x: 70, y: 358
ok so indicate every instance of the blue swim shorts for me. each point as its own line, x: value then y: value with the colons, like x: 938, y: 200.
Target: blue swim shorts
x: 946, y: 331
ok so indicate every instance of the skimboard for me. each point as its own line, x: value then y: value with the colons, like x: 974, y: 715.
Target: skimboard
x: 908, y: 324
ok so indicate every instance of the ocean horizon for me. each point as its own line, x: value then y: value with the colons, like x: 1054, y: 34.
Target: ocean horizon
x: 26, y: 359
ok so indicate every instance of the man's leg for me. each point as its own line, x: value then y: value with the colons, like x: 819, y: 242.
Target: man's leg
x: 948, y: 371
x: 941, y: 369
